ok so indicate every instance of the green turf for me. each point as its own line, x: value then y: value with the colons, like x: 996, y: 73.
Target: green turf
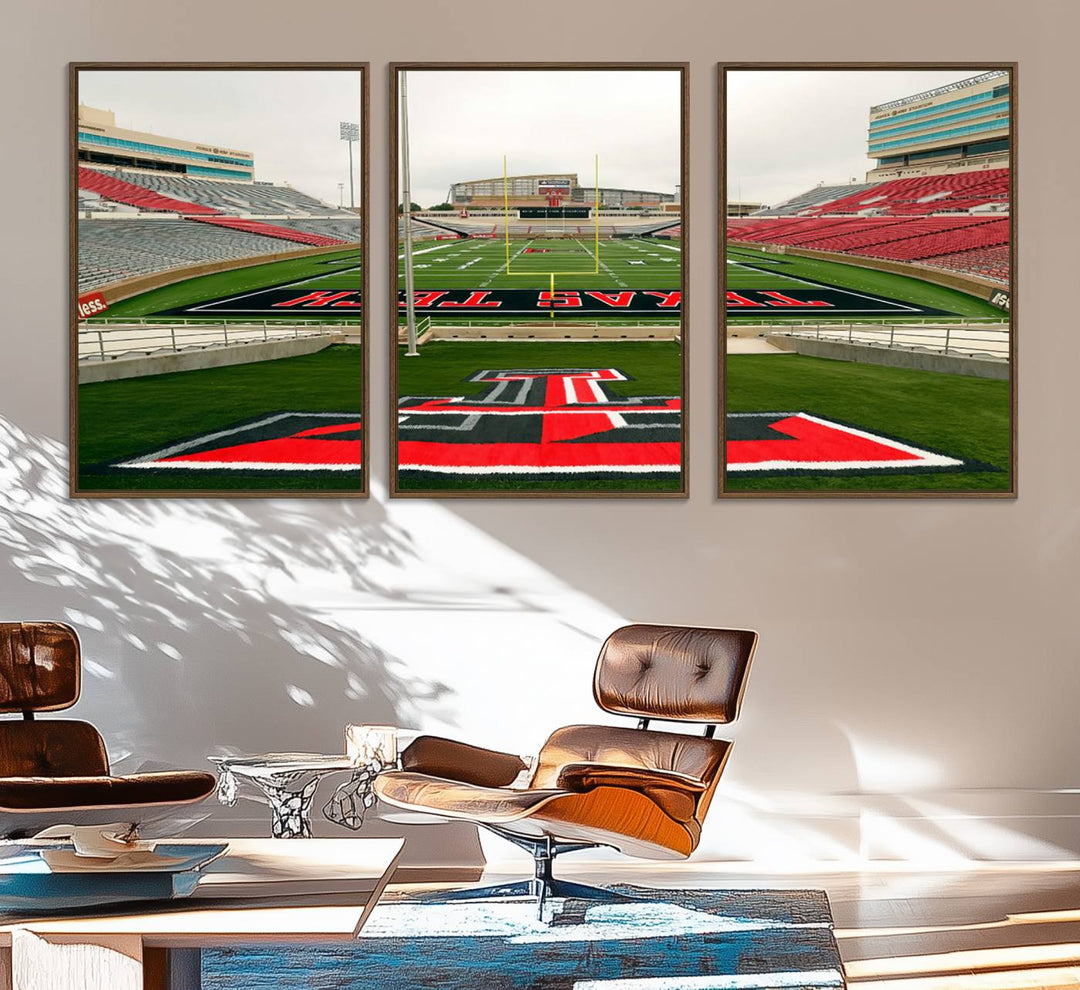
x: 343, y: 272
x: 441, y: 370
x: 957, y: 415
x: 123, y: 419
x: 784, y: 271
x: 477, y: 263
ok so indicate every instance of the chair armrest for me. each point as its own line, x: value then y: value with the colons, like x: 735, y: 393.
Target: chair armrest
x: 453, y: 760
x: 675, y: 793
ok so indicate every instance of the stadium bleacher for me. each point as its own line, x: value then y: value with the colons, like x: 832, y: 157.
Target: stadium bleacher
x: 920, y: 195
x: 111, y: 250
x: 954, y: 221
x: 814, y: 197
x: 213, y: 223
x: 631, y: 226
x: 990, y: 263
x: 230, y: 198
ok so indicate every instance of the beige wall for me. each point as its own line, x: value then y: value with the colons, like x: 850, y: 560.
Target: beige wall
x: 919, y: 659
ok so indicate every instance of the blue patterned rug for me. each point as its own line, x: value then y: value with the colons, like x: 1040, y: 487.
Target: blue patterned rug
x: 662, y: 940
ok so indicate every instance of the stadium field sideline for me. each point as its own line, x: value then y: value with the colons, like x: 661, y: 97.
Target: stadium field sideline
x: 124, y: 419
x: 911, y: 298
x: 337, y: 271
x: 958, y: 415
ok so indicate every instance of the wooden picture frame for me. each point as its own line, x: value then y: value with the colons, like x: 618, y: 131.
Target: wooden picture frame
x: 395, y: 69
x: 282, y: 487
x: 1009, y: 490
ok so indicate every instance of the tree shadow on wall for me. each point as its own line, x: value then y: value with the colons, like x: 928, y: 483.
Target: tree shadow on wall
x: 191, y: 643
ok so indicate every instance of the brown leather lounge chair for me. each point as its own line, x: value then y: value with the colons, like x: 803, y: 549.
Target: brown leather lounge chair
x: 643, y: 792
x: 56, y: 771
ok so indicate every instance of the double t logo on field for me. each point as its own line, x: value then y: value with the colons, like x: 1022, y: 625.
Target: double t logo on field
x: 550, y: 422
x: 542, y: 421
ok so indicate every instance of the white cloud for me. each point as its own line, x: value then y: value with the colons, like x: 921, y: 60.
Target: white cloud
x: 462, y: 122
x: 287, y: 118
x: 789, y: 131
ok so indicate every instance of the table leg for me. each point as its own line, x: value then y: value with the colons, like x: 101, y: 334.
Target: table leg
x: 172, y: 969
x: 290, y: 809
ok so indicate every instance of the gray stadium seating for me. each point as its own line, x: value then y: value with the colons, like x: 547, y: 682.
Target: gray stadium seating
x: 233, y: 198
x: 110, y: 250
x: 822, y: 194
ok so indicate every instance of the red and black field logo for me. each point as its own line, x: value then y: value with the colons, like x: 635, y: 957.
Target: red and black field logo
x: 283, y: 442
x: 542, y: 421
x: 770, y: 443
x: 550, y: 421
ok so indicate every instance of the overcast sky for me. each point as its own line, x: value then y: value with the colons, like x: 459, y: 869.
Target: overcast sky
x: 788, y: 131
x: 288, y: 119
x: 461, y: 123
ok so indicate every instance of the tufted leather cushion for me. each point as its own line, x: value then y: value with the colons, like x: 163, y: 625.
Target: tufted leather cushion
x: 39, y: 666
x: 620, y: 746
x: 679, y: 673
x: 438, y: 757
x: 34, y: 793
x: 51, y: 748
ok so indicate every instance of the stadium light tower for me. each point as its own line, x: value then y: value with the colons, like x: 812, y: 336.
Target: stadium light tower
x: 350, y: 132
x: 406, y: 216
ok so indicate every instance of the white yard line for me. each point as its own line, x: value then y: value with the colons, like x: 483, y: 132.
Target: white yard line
x: 504, y: 265
x: 600, y: 264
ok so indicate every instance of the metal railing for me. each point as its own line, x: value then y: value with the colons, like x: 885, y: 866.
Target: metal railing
x: 541, y: 320
x: 959, y: 321
x: 947, y: 338
x: 98, y: 342
x: 128, y: 321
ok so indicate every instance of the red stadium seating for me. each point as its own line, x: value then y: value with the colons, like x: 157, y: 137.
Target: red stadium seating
x: 145, y: 199
x: 120, y: 191
x: 270, y: 230
x: 991, y: 262
x: 941, y: 241
x: 924, y: 194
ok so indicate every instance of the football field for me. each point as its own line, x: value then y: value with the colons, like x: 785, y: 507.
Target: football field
x: 617, y: 280
x: 528, y: 416
x: 804, y: 424
x: 581, y: 415
x: 290, y: 425
x: 768, y: 287
x: 322, y: 287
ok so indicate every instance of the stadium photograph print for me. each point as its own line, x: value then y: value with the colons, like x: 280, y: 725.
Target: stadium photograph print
x: 540, y: 281
x: 218, y: 228
x: 868, y: 218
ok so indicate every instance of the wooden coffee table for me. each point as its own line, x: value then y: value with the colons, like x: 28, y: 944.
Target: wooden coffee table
x: 261, y: 890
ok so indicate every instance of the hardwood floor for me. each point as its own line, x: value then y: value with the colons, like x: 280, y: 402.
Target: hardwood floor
x: 1000, y: 926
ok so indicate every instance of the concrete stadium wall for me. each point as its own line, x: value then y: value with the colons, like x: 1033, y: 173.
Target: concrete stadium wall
x: 544, y: 332
x: 209, y: 357
x: 981, y: 288
x: 891, y: 357
x: 129, y: 287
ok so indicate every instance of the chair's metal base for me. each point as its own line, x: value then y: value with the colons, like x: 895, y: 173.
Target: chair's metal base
x: 533, y: 889
x: 542, y: 886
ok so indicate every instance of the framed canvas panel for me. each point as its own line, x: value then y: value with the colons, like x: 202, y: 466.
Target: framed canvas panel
x: 868, y: 273
x: 218, y: 236
x: 540, y: 273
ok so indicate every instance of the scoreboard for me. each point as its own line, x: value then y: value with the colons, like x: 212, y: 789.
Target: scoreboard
x: 553, y: 187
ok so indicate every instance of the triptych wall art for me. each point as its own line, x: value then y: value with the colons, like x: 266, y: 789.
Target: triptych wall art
x: 540, y: 338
